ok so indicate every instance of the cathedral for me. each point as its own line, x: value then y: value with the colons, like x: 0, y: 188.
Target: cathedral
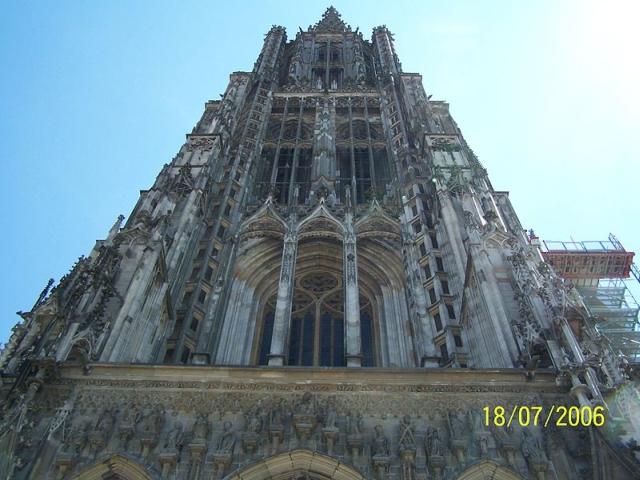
x: 321, y: 284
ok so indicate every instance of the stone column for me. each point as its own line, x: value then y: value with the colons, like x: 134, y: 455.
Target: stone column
x: 323, y: 170
x: 351, y: 295
x: 453, y: 227
x: 579, y: 389
x: 282, y: 318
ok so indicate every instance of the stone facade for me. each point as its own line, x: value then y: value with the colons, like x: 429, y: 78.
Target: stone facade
x: 321, y: 284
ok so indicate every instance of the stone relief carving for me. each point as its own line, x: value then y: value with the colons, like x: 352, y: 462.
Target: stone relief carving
x: 418, y: 432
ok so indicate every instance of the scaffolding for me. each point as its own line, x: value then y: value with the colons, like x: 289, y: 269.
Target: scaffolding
x: 599, y: 270
x: 615, y: 312
x: 591, y: 259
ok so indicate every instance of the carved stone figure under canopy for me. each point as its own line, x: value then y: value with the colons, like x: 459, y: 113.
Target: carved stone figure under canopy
x: 532, y: 449
x: 173, y: 439
x: 380, y: 446
x: 433, y: 442
x: 227, y: 440
x: 407, y: 439
x: 200, y: 429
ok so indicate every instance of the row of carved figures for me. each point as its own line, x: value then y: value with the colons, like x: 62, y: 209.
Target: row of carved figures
x: 155, y: 436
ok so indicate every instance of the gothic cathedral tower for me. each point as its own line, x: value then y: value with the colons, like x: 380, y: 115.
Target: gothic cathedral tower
x: 322, y: 283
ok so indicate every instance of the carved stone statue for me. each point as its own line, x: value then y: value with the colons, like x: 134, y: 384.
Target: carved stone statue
x: 305, y: 405
x: 200, y: 429
x: 433, y: 443
x: 174, y: 438
x: 254, y: 424
x: 227, y: 440
x: 532, y: 449
x: 331, y: 414
x: 380, y: 445
x: 277, y: 415
x: 407, y: 439
x: 458, y: 424
x: 106, y: 422
x: 354, y: 424
x: 76, y: 438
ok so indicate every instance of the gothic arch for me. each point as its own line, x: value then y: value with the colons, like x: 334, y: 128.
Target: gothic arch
x: 297, y: 464
x: 254, y: 278
x: 114, y: 467
x: 488, y: 470
x: 266, y: 222
x: 320, y: 223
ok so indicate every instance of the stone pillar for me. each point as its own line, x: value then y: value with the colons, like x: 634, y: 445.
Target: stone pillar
x: 351, y: 295
x: 323, y: 169
x: 453, y: 227
x: 579, y: 390
x: 285, y: 292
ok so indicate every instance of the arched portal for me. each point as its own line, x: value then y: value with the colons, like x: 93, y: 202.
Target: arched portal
x: 295, y: 465
x: 115, y: 467
x: 316, y: 333
x: 488, y: 470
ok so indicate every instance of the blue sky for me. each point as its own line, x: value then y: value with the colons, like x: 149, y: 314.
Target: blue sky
x: 96, y: 96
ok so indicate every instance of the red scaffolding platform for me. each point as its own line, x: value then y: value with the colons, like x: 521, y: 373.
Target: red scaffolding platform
x: 593, y: 259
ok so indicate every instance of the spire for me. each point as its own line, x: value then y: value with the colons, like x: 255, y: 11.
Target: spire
x: 331, y: 23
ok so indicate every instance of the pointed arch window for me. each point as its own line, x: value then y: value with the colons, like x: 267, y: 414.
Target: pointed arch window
x: 316, y: 335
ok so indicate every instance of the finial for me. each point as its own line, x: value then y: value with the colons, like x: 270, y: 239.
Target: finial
x: 116, y: 227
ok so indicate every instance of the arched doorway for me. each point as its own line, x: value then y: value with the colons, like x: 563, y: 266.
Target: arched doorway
x: 488, y: 470
x: 115, y: 467
x: 297, y: 465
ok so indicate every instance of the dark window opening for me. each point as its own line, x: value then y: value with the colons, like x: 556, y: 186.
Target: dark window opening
x: 194, y: 273
x: 444, y: 353
x: 318, y: 78
x: 186, y: 353
x: 335, y: 78
x: 427, y: 271
x: 381, y: 167
x: 344, y: 163
x: 267, y: 333
x: 439, y: 264
x: 187, y: 297
x: 437, y: 321
x: 168, y: 356
x: 432, y: 295
x: 445, y: 286
x: 451, y: 312
x: 363, y: 174
x: 458, y: 340
x: 303, y: 173
x: 321, y: 53
x: 336, y: 53
x: 195, y: 321
x: 366, y: 335
x: 208, y: 273
x: 264, y: 169
x: 283, y: 175
x: 202, y: 296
